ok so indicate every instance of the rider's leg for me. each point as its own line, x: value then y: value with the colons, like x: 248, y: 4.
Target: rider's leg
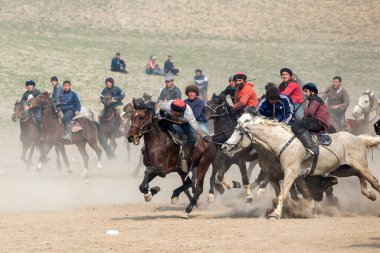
x: 301, y: 129
x: 119, y: 111
x: 37, y: 115
x: 67, y: 117
x: 188, y: 146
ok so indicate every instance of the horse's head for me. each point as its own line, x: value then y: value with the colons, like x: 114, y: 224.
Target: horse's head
x: 141, y: 119
x: 217, y: 106
x: 241, y: 138
x: 41, y: 100
x: 366, y: 103
x: 18, y: 110
x: 107, y: 99
x: 147, y: 97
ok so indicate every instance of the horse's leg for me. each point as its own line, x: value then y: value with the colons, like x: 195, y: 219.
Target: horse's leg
x: 128, y: 146
x: 45, y: 149
x: 31, y: 152
x: 62, y: 149
x: 186, y: 184
x: 225, y: 164
x: 365, y: 190
x: 150, y: 173
x: 59, y: 164
x: 250, y: 169
x: 291, y: 173
x: 23, y: 153
x: 211, y: 193
x: 260, y: 181
x: 94, y: 144
x: 85, y: 157
x: 245, y: 179
x: 363, y: 170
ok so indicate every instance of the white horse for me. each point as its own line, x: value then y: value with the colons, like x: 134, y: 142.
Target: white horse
x: 346, y: 156
x: 368, y: 108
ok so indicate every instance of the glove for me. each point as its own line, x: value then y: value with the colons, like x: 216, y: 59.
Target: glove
x: 207, y: 138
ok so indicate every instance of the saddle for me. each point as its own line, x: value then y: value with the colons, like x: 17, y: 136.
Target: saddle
x: 76, y: 127
x: 322, y: 139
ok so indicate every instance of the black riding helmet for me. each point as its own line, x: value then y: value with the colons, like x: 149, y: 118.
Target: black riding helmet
x: 30, y: 82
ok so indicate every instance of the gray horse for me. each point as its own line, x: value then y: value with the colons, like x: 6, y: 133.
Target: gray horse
x: 346, y: 156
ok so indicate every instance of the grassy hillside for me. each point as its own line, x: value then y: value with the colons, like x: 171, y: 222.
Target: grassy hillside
x: 76, y: 40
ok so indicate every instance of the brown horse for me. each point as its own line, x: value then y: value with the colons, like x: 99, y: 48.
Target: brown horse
x: 161, y: 153
x: 53, y: 130
x: 30, y: 135
x: 110, y: 122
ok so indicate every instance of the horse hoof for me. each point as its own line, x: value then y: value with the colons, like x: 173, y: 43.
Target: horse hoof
x: 211, y: 198
x: 174, y: 200
x: 273, y: 216
x: 155, y: 190
x: 148, y: 197
x: 249, y: 199
x: 372, y: 196
x: 219, y: 188
x: 185, y: 215
x: 236, y: 184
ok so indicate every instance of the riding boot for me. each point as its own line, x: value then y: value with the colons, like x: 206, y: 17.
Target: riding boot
x: 68, y: 130
x: 308, y: 143
x: 185, y: 159
x: 122, y: 124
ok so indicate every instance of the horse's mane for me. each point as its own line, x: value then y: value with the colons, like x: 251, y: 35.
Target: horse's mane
x: 271, y: 123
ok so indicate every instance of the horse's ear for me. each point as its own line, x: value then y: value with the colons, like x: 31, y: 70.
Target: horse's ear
x: 213, y: 95
x: 222, y: 96
x: 134, y: 103
x: 372, y: 94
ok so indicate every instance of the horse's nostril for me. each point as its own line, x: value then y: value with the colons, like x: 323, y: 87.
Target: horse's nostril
x: 130, y: 139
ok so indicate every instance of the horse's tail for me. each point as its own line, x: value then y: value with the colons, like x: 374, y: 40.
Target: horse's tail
x: 103, y: 141
x: 370, y: 141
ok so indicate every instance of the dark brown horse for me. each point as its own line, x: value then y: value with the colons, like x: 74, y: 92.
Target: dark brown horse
x: 161, y: 153
x: 110, y: 122
x: 53, y: 130
x: 30, y: 135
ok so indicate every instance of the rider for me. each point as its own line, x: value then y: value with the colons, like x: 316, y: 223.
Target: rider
x: 182, y: 116
x: 230, y: 89
x: 70, y: 106
x: 31, y: 92
x: 197, y: 106
x: 171, y: 91
x: 117, y: 95
x: 245, y: 95
x: 337, y: 99
x: 291, y: 88
x: 276, y: 106
x: 316, y: 119
x: 57, y: 91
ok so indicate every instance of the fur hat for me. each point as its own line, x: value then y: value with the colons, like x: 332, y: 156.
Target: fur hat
x: 30, y: 82
x: 287, y: 70
x: 240, y: 75
x: 272, y: 93
x: 311, y: 87
x: 178, y: 105
x: 193, y: 88
x: 109, y: 79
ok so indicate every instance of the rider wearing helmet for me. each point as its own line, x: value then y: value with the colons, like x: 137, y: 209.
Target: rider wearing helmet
x: 70, y: 106
x: 32, y: 92
x: 291, y: 88
x: 181, y: 116
x: 315, y: 120
x: 276, y: 106
x: 117, y: 95
x: 245, y: 95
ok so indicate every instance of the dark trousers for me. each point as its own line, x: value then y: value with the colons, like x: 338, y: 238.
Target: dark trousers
x: 307, y: 124
x: 37, y: 114
x: 67, y: 116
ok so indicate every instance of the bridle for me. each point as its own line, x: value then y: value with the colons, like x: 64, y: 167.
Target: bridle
x: 141, y: 131
x: 240, y: 128
x: 224, y: 110
x: 371, y: 107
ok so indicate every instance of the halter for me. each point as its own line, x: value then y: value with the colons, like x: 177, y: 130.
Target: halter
x: 240, y: 129
x: 215, y: 114
x: 371, y: 107
x: 141, y: 132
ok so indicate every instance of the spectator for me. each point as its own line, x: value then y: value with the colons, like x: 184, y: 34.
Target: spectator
x: 170, y: 92
x: 118, y: 64
x: 169, y: 66
x: 202, y: 82
x: 152, y: 67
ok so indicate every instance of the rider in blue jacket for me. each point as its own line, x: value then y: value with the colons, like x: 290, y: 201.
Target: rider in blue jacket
x: 276, y: 106
x: 70, y: 106
x: 117, y: 95
x: 31, y: 92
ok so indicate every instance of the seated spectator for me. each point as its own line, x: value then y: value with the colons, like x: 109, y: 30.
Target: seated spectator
x: 152, y: 67
x: 169, y: 66
x: 202, y: 82
x: 118, y: 64
x: 197, y: 105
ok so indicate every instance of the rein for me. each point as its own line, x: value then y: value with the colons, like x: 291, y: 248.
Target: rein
x: 214, y: 110
x: 141, y: 132
x: 110, y: 117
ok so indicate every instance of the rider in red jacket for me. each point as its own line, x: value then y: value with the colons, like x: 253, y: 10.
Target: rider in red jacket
x: 245, y: 95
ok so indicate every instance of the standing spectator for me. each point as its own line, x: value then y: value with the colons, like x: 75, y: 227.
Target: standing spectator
x: 197, y: 105
x: 170, y: 92
x: 202, y: 82
x: 337, y: 100
x: 118, y: 64
x: 169, y: 66
x: 290, y: 88
x: 152, y: 67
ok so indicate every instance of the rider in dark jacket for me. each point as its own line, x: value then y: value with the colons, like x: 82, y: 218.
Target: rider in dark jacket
x: 70, y: 106
x: 57, y: 91
x: 117, y: 96
x: 32, y: 92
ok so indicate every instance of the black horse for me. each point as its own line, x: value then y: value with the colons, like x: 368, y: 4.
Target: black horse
x: 225, y: 122
x: 377, y: 127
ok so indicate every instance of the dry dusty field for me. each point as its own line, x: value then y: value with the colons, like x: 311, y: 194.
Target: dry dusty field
x: 50, y: 212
